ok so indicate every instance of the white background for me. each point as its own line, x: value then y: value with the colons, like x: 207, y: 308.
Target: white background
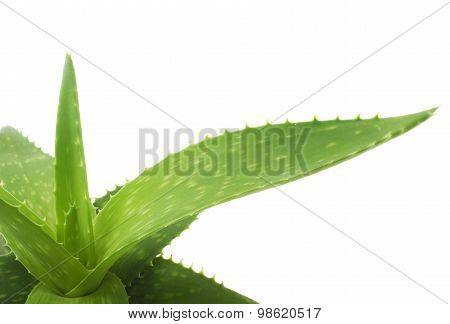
x: 224, y: 63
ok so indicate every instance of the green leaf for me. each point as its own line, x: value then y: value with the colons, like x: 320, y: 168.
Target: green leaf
x: 166, y: 282
x: 101, y: 202
x: 27, y: 173
x: 160, y: 196
x: 129, y: 266
x: 111, y: 291
x: 72, y: 231
x: 70, y: 168
x: 15, y: 281
x: 3, y: 248
x: 47, y: 260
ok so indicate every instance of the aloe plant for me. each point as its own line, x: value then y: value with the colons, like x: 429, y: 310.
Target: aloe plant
x: 59, y: 247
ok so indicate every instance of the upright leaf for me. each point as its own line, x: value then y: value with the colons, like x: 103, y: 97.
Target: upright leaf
x: 70, y: 169
x: 160, y: 196
x: 72, y: 232
x: 166, y: 282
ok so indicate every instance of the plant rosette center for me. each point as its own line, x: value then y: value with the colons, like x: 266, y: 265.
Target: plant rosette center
x: 111, y: 291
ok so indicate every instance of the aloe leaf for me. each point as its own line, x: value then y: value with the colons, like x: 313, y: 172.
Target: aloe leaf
x: 72, y: 231
x: 15, y: 281
x: 44, y: 258
x: 3, y: 248
x: 101, y: 202
x: 157, y: 199
x: 166, y: 282
x: 27, y: 173
x: 70, y: 167
x: 111, y: 291
x: 130, y: 265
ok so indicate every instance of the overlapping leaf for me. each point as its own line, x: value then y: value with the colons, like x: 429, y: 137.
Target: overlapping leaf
x: 111, y: 291
x: 130, y: 265
x: 47, y: 260
x: 27, y: 173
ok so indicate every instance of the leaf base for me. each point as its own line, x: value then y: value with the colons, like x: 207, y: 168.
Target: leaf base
x: 111, y: 291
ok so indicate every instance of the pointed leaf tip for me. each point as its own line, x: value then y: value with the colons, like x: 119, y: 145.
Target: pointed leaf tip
x: 69, y: 70
x: 432, y: 110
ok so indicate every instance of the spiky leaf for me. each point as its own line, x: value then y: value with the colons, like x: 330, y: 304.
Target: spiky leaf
x: 3, y: 248
x: 70, y: 167
x: 166, y: 282
x: 160, y: 196
x: 47, y: 260
x: 129, y: 266
x: 27, y: 173
x: 101, y: 202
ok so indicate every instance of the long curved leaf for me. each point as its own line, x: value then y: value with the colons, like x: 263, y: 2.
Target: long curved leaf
x: 166, y: 282
x: 160, y: 196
